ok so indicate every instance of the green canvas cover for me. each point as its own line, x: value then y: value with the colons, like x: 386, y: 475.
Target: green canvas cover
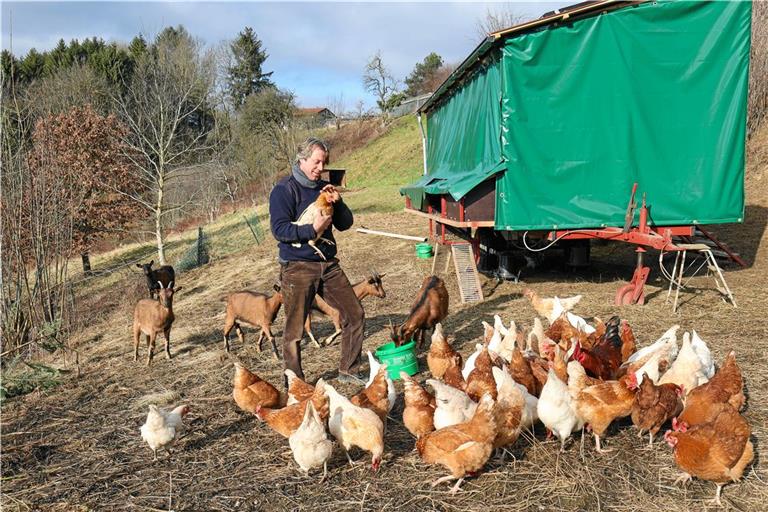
x: 463, y: 138
x: 654, y: 94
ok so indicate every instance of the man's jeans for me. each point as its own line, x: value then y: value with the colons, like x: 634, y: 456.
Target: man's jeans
x: 300, y: 281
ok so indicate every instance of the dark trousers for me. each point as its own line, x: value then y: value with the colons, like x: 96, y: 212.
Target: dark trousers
x: 300, y: 281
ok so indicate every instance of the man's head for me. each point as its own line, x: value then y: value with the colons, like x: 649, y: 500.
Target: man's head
x: 311, y: 157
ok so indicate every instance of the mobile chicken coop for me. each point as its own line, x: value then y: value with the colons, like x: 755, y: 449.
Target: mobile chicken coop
x: 549, y: 130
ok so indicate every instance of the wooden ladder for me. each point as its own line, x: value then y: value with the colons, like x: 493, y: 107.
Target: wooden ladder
x: 466, y: 273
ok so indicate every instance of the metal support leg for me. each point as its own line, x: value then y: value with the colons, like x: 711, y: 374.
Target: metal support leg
x: 679, y: 278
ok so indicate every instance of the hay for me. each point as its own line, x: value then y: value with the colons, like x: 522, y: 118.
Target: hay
x: 78, y: 446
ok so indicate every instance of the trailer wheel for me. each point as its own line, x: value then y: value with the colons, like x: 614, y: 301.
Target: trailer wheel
x: 625, y: 294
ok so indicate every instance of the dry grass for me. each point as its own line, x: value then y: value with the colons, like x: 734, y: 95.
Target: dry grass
x: 77, y: 447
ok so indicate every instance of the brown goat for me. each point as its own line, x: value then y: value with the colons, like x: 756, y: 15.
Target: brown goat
x: 151, y: 317
x: 255, y: 310
x: 160, y: 277
x: 363, y: 289
x: 431, y: 307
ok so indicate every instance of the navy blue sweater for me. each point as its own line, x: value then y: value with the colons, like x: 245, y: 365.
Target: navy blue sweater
x: 287, y: 202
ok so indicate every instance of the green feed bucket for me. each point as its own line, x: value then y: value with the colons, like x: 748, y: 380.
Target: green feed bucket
x: 423, y: 250
x: 399, y: 359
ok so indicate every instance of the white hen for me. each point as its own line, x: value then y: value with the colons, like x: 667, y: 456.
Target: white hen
x: 374, y: 369
x: 666, y: 343
x: 508, y: 389
x: 355, y: 426
x: 687, y: 371
x: 705, y: 356
x: 310, y: 444
x: 453, y: 406
x: 469, y: 365
x: 162, y: 427
x: 556, y: 408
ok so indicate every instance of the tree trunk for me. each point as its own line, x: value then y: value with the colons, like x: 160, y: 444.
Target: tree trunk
x: 86, y: 263
x: 159, y: 224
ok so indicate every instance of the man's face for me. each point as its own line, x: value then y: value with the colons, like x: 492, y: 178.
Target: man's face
x: 313, y: 166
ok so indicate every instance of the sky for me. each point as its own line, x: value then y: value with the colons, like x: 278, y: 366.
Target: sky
x: 318, y: 50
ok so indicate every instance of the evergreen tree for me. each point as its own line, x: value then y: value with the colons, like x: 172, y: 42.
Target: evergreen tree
x: 245, y: 75
x: 137, y: 47
x: 422, y: 75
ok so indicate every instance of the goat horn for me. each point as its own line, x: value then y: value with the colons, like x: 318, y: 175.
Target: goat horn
x: 170, y: 285
x: 161, y: 284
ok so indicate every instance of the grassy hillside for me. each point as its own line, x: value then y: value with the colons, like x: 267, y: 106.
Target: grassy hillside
x: 376, y: 172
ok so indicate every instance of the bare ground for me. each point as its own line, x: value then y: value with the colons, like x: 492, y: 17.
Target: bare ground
x: 77, y: 447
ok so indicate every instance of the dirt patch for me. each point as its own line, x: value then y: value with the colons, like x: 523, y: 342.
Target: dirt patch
x: 78, y: 446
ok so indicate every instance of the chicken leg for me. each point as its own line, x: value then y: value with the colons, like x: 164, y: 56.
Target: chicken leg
x: 599, y: 448
x: 684, y: 478
x: 716, y: 499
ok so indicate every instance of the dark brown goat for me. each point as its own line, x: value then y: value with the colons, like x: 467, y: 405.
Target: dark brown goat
x: 254, y: 310
x: 371, y: 286
x: 431, y: 307
x: 160, y: 277
x: 151, y: 317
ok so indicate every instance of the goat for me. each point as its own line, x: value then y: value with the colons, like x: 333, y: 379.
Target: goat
x: 366, y: 287
x: 151, y: 317
x: 255, y: 310
x: 158, y: 278
x: 431, y: 307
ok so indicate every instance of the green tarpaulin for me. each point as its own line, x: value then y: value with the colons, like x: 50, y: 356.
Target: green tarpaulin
x: 463, y: 138
x: 654, y: 94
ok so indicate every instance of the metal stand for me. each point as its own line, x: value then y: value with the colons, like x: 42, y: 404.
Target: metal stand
x: 713, y: 269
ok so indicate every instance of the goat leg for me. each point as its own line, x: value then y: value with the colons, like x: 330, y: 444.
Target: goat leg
x: 274, y: 345
x: 261, y: 339
x: 151, y: 343
x: 308, y: 329
x: 240, y: 334
x: 332, y: 337
x: 136, y: 338
x: 167, y: 334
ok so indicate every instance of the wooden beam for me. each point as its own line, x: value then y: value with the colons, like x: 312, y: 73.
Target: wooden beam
x: 451, y: 222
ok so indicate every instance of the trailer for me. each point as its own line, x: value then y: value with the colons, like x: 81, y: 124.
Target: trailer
x: 615, y: 120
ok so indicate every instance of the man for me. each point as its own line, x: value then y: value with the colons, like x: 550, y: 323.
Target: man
x: 303, y: 272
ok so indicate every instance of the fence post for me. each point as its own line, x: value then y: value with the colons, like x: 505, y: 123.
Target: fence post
x: 199, y: 246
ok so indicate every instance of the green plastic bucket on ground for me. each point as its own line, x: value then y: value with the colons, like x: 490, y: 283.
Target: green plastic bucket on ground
x: 399, y: 359
x: 423, y: 250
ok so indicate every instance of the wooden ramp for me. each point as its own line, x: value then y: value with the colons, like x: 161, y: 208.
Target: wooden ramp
x: 466, y: 273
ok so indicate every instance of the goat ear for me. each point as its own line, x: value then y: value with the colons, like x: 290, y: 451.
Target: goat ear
x: 177, y: 290
x: 139, y: 265
x: 150, y: 262
x: 276, y: 287
x: 381, y: 275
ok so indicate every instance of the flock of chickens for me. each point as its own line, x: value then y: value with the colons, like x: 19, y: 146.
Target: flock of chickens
x: 570, y: 376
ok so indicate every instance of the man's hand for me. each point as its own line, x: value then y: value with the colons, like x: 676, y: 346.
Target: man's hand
x: 333, y: 194
x: 322, y: 222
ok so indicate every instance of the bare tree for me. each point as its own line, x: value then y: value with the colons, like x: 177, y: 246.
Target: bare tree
x: 378, y: 80
x: 497, y: 18
x: 166, y: 109
x: 337, y: 105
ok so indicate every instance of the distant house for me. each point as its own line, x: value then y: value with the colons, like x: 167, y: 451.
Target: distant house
x: 315, y: 117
